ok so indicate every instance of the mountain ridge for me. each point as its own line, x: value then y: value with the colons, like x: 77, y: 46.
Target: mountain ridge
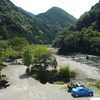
x: 16, y: 22
x: 83, y: 37
x: 31, y: 14
x: 55, y: 17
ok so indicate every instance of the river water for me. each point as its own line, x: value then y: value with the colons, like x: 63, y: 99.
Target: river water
x: 90, y: 62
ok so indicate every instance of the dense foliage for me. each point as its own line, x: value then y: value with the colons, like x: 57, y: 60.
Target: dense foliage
x: 55, y: 19
x: 83, y: 37
x: 97, y: 84
x: 54, y: 76
x: 16, y: 22
x: 85, y: 41
x: 27, y: 58
x: 65, y: 72
x: 43, y: 58
x: 90, y: 19
x: 1, y: 67
x: 29, y: 13
x: 14, y: 48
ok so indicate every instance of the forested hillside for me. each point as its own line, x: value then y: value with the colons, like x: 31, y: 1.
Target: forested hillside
x: 90, y: 19
x: 84, y: 36
x: 32, y: 15
x: 15, y: 22
x: 55, y: 19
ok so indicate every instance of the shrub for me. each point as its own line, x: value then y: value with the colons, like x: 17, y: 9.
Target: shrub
x: 52, y: 74
x: 35, y: 76
x: 42, y: 76
x: 1, y: 62
x: 1, y: 67
x: 73, y: 73
x: 64, y: 72
x: 97, y: 84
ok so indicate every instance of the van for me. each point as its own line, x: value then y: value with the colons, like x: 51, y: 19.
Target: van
x: 94, y: 98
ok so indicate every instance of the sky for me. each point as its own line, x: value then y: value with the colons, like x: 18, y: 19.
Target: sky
x: 73, y: 7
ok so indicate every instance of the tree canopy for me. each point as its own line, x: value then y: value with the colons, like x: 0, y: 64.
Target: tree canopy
x: 27, y: 58
x: 84, y: 36
x: 90, y: 19
x: 85, y: 41
x: 16, y: 22
x: 43, y: 57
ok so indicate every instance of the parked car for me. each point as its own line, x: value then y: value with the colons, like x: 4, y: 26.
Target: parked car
x: 71, y: 86
x: 81, y: 91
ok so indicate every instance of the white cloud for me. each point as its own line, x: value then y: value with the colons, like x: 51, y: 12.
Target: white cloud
x: 74, y: 7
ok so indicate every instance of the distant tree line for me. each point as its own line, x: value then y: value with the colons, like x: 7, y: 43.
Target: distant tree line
x: 15, y: 22
x: 84, y: 36
x: 85, y: 41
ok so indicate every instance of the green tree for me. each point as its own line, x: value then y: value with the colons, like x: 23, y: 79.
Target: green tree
x: 71, y: 27
x: 95, y: 44
x: 1, y: 67
x: 3, y: 48
x: 27, y: 59
x: 4, y: 44
x: 42, y: 57
x: 3, y: 54
x: 70, y: 42
x: 64, y: 71
x: 12, y: 53
x: 54, y: 63
x: 16, y: 46
x: 18, y: 43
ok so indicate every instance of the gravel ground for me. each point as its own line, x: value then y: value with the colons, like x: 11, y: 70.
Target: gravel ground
x: 84, y: 71
x: 24, y: 87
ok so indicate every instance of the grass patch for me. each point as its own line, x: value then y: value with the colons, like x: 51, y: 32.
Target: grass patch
x: 59, y: 82
x: 97, y: 84
x: 91, y: 84
x: 64, y: 88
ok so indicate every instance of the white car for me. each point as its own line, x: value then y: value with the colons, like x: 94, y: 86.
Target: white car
x: 94, y: 99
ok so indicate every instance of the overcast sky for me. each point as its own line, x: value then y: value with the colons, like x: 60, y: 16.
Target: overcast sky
x: 73, y: 7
